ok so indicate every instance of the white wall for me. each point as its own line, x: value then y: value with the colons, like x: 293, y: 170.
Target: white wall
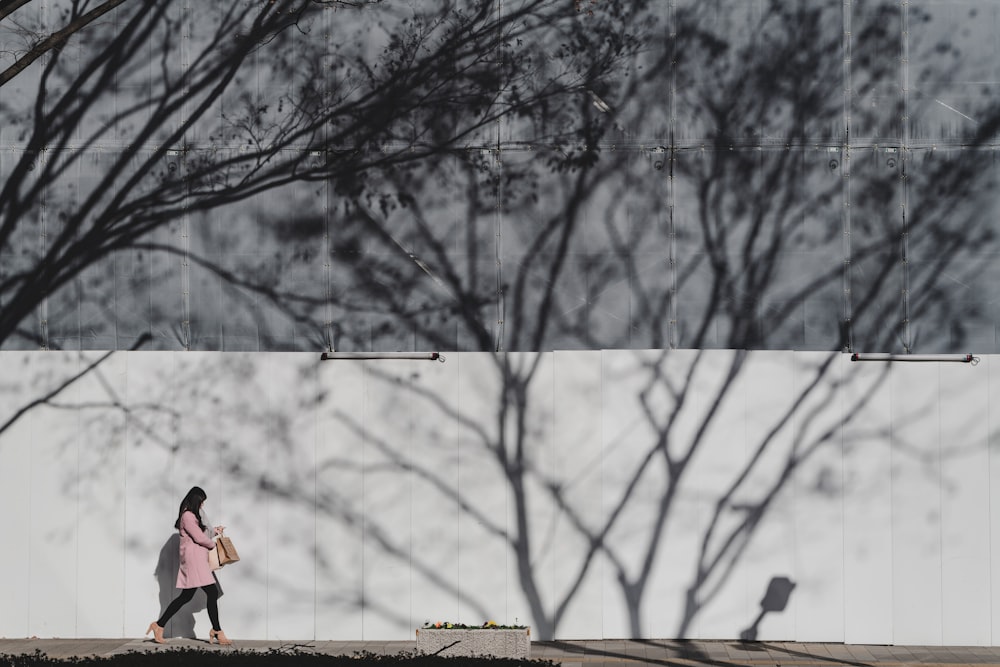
x: 368, y: 497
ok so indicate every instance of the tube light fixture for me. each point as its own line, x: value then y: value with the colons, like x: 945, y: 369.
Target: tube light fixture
x: 960, y: 358
x: 426, y: 356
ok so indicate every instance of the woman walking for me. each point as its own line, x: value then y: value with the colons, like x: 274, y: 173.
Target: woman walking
x: 194, y: 571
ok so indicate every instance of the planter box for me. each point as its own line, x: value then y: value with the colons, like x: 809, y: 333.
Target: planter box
x: 498, y: 643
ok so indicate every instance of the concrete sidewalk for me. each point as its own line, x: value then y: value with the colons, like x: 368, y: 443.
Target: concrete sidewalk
x: 582, y: 653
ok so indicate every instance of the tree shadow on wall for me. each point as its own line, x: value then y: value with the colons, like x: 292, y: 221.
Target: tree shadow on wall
x: 452, y: 449
x: 753, y: 246
x: 755, y: 242
x: 342, y: 89
x: 749, y: 221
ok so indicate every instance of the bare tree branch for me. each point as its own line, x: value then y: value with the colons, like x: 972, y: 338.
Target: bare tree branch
x: 54, y: 41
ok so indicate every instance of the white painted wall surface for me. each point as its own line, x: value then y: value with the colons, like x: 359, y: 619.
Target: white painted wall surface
x: 602, y: 494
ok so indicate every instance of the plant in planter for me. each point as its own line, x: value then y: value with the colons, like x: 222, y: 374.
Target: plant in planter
x: 489, y: 639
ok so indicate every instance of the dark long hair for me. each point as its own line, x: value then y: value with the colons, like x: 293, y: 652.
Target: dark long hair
x: 192, y: 503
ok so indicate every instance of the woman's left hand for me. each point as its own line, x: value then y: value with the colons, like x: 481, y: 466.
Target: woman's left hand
x: 219, y: 529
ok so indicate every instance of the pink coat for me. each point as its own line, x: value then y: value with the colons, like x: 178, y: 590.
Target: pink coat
x: 194, y: 571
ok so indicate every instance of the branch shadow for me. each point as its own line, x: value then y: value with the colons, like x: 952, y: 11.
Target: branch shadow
x: 750, y: 239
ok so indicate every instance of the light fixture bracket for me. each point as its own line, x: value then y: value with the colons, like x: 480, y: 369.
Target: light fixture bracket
x: 877, y: 356
x: 345, y: 356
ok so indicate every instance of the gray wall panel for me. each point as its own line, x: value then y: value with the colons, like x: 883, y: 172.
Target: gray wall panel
x: 717, y: 94
x: 952, y: 69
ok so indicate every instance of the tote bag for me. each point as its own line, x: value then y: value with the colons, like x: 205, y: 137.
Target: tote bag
x: 223, y: 554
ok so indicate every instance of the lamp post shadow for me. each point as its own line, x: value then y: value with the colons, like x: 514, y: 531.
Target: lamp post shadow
x: 779, y: 589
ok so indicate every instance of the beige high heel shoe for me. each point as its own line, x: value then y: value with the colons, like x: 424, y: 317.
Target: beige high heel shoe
x: 220, y: 636
x: 157, y: 633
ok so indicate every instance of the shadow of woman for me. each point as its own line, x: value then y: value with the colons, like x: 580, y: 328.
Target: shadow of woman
x: 182, y: 624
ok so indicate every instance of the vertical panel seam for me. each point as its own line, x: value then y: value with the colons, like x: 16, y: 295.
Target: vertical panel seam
x: 989, y: 501
x: 848, y: 334
x: 892, y: 512
x: 941, y: 516
x: 315, y: 503
x: 76, y: 492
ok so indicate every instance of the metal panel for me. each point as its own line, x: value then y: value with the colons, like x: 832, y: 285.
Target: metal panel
x: 767, y: 495
x: 223, y: 316
x: 53, y: 502
x: 644, y: 279
x: 226, y: 439
x: 388, y: 499
x: 150, y: 287
x: 731, y: 27
x: 711, y: 220
x: 868, y: 536
x: 759, y: 247
x: 339, y: 488
x: 992, y: 378
x: 617, y: 464
x: 952, y: 261
x: 645, y: 114
x: 133, y: 286
x: 483, y: 550
x: 583, y: 258
x: 15, y: 487
x: 548, y: 77
x: 719, y: 582
x: 633, y: 483
x: 800, y: 304
x: 916, y: 505
x: 432, y: 423
x: 818, y: 507
x: 258, y: 275
x: 420, y: 270
x: 876, y: 44
x: 150, y: 499
x: 20, y: 92
x: 678, y: 417
x: 289, y: 437
x: 951, y: 69
x: 965, y: 504
x: 102, y: 508
x: 874, y: 254
x: 532, y: 466
x: 792, y: 58
x: 77, y: 316
x: 574, y: 574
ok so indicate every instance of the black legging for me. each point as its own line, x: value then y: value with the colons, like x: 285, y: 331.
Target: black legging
x: 213, y: 605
